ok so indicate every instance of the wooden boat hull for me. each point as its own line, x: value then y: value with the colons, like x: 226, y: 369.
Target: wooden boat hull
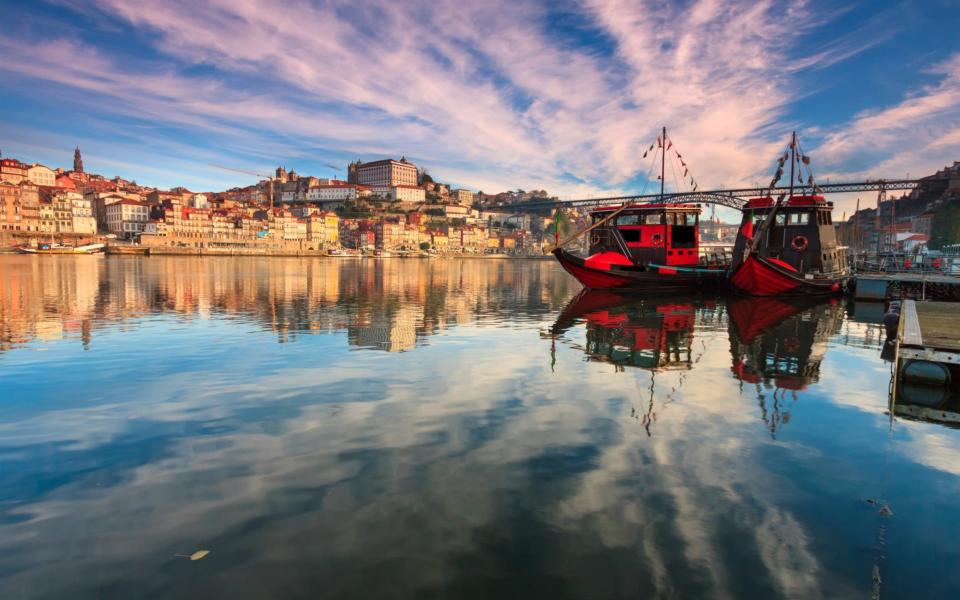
x: 758, y: 276
x: 622, y: 277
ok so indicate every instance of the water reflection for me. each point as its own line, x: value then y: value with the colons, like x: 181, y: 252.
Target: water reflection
x: 778, y: 345
x: 636, y: 332
x: 382, y: 305
x: 515, y: 444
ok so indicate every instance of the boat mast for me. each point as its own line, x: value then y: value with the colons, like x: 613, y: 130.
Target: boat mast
x: 793, y: 158
x: 663, y: 160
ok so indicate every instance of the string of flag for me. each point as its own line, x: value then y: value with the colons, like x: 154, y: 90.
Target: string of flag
x: 659, y: 144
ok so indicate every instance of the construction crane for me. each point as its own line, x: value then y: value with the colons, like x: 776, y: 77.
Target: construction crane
x: 269, y: 179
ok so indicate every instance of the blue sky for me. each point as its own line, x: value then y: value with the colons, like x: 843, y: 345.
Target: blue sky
x: 489, y: 95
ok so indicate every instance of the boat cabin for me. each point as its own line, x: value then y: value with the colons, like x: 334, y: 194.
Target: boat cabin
x: 659, y: 234
x: 801, y: 236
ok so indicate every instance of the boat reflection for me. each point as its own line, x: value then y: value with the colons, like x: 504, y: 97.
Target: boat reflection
x: 778, y: 344
x: 653, y: 334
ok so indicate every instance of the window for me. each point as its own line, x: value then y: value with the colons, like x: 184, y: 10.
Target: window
x: 798, y: 218
x: 631, y: 219
x: 691, y: 219
x: 781, y: 219
x: 653, y: 218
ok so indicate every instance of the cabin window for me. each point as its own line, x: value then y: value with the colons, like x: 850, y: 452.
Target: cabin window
x: 691, y: 219
x: 630, y: 235
x: 632, y: 219
x: 799, y: 218
x: 653, y: 219
x: 781, y: 219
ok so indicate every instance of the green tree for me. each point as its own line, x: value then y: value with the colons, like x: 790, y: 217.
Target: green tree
x: 946, y: 227
x: 424, y: 245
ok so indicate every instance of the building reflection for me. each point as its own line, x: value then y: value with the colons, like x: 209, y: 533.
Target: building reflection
x: 778, y: 344
x: 389, y: 305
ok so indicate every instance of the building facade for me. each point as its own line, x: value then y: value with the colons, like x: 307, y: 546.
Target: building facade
x: 12, y: 170
x: 401, y: 193
x: 127, y: 218
x: 41, y: 175
x: 9, y: 206
x: 383, y: 173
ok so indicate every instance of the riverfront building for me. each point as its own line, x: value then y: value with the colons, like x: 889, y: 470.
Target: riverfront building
x: 127, y: 218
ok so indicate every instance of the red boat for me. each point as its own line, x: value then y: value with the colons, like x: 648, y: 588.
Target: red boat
x: 788, y: 247
x: 645, y: 246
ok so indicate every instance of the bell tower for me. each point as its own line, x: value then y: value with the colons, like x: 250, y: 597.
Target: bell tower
x: 77, y: 161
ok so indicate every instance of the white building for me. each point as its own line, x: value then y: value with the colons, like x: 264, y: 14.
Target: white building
x: 198, y: 201
x: 401, y: 193
x: 84, y: 223
x: 341, y: 192
x: 127, y: 218
x: 41, y: 175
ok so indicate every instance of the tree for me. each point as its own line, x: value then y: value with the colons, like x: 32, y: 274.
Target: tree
x: 424, y: 245
x: 423, y: 176
x: 945, y: 228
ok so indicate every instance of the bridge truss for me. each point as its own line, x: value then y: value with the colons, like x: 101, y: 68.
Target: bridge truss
x: 729, y: 198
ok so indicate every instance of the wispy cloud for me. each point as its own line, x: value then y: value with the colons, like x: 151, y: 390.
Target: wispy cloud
x: 496, y: 94
x: 915, y: 136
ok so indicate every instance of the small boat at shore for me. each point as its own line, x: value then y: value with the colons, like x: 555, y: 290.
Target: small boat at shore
x: 61, y: 249
x: 788, y: 246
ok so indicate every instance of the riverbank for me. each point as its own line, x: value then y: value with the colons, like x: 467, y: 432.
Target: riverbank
x: 289, y: 253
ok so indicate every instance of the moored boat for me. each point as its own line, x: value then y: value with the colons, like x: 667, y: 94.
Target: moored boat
x: 788, y: 246
x: 61, y: 249
x: 652, y: 247
x: 645, y: 246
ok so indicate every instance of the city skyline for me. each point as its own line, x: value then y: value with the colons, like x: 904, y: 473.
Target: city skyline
x: 490, y: 97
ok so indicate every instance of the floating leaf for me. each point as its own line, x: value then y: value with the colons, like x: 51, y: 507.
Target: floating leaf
x: 199, y: 554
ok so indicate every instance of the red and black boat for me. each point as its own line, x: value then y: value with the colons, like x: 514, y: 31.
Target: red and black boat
x: 653, y: 247
x: 645, y: 246
x: 788, y: 246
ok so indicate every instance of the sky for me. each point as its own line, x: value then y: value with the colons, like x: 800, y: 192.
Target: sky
x: 492, y: 95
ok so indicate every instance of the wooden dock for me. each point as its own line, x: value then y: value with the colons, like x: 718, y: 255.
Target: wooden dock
x: 920, y: 286
x: 931, y: 327
x: 926, y: 379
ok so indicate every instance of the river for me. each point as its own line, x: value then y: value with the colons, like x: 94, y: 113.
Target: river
x: 413, y: 428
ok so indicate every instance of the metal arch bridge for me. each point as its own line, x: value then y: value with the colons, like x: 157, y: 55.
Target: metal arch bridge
x: 730, y: 198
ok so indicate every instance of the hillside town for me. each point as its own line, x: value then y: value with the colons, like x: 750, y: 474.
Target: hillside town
x: 383, y: 206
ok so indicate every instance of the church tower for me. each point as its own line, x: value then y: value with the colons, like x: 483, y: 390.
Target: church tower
x: 77, y: 161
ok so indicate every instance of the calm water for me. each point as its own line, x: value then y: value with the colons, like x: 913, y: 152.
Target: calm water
x: 414, y: 428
